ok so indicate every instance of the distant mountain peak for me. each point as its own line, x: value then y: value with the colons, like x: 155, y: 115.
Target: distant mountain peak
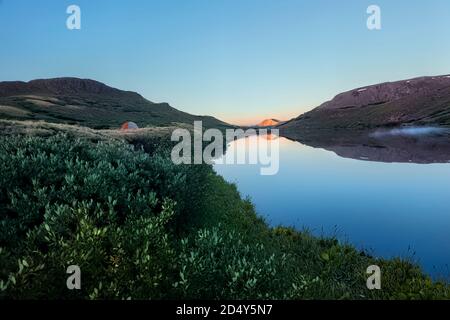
x: 269, y: 123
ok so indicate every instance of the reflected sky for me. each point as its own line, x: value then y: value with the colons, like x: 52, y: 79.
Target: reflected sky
x: 390, y: 209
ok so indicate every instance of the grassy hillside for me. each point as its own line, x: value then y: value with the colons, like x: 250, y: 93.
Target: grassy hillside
x: 141, y: 227
x: 48, y: 129
x: 87, y: 103
x: 421, y: 101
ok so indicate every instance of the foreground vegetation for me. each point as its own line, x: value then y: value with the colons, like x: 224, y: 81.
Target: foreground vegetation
x: 141, y: 227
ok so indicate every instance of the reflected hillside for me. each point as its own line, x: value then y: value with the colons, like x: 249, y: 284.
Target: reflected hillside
x: 407, y: 144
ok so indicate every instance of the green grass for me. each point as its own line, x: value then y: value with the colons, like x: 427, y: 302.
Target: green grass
x: 97, y: 111
x: 141, y: 227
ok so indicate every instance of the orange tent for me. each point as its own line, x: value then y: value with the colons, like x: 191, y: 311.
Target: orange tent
x: 129, y: 125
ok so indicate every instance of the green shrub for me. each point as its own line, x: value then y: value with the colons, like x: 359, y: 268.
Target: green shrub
x: 69, y: 202
x: 140, y: 227
x: 216, y: 264
x: 131, y: 260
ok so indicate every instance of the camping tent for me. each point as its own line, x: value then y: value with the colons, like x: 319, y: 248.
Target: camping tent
x: 129, y: 125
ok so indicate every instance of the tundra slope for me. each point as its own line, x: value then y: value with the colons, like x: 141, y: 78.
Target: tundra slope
x: 88, y: 103
x: 418, y: 101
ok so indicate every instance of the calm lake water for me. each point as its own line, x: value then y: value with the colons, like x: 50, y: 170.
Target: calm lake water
x: 389, y: 209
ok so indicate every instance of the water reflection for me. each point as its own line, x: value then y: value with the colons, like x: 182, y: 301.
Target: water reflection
x: 375, y: 190
x: 414, y: 145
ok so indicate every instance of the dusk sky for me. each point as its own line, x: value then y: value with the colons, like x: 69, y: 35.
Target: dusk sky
x: 239, y: 60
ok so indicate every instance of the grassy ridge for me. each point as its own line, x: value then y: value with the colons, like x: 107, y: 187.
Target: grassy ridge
x: 97, y: 111
x: 141, y: 227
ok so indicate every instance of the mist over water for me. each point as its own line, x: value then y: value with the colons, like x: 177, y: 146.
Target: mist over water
x: 410, y: 131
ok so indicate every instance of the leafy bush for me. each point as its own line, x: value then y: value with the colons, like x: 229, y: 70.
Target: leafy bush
x: 140, y: 227
x: 132, y: 260
x: 217, y: 264
x: 69, y: 202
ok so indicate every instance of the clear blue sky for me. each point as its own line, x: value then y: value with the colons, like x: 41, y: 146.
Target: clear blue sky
x: 239, y: 60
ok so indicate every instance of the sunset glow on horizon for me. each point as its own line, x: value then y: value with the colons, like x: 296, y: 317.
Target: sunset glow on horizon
x: 239, y: 61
